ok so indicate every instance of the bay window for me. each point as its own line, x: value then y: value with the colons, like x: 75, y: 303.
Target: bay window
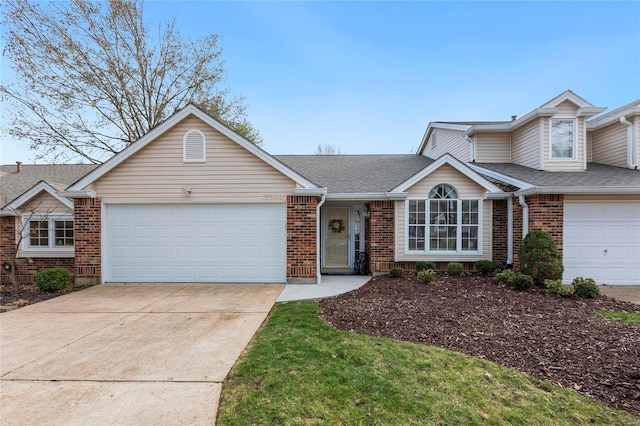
x: 443, y: 222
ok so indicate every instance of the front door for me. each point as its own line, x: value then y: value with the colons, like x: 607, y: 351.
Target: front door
x: 336, y: 225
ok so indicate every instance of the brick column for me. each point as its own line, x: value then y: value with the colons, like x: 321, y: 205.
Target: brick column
x: 546, y: 213
x: 381, y: 236
x: 500, y: 231
x: 87, y: 216
x: 301, y: 239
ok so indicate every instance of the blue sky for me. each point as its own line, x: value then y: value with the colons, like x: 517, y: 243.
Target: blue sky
x: 368, y: 77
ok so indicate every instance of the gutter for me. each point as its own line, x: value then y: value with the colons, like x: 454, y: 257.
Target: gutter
x: 377, y: 196
x: 577, y: 190
x: 78, y: 194
x: 323, y: 198
x: 627, y: 123
x: 525, y: 216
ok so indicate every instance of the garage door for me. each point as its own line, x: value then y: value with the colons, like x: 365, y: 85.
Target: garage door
x: 195, y: 243
x: 602, y: 241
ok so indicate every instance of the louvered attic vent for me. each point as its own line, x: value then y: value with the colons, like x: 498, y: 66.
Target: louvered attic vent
x: 194, y: 147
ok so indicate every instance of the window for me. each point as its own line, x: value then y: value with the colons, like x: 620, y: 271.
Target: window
x: 55, y: 233
x: 194, y: 145
x: 452, y: 225
x: 562, y: 138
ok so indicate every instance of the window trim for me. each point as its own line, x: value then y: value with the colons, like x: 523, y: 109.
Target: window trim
x: 574, y: 142
x: 459, y: 225
x: 51, y: 247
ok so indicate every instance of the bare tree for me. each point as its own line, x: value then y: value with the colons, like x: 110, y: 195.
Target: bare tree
x: 22, y: 221
x: 92, y: 77
x: 327, y: 149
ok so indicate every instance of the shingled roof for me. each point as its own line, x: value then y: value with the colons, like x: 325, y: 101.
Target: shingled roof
x: 59, y: 176
x: 349, y: 174
x: 596, y: 175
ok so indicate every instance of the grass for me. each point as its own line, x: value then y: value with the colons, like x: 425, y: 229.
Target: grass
x: 630, y: 317
x: 299, y: 370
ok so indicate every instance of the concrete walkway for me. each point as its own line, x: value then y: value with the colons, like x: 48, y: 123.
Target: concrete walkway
x: 628, y: 293
x: 330, y: 285
x: 126, y: 354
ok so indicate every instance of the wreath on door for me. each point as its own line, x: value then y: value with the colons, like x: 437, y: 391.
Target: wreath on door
x: 336, y: 225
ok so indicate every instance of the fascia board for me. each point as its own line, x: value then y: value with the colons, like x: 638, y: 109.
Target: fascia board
x: 357, y: 196
x: 536, y: 113
x: 156, y: 132
x: 502, y: 177
x: 578, y: 190
x: 568, y: 95
x: 455, y: 163
x: 589, y: 111
x: 310, y: 191
x: 33, y: 192
x: 605, y: 120
x: 79, y: 194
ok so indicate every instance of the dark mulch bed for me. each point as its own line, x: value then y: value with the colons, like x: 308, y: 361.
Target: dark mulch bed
x: 16, y: 296
x: 555, y: 339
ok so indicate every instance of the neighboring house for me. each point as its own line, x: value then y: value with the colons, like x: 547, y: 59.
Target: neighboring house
x: 194, y: 202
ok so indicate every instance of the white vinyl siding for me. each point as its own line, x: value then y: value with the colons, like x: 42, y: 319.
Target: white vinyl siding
x: 525, y: 145
x: 493, y: 147
x: 448, y: 142
x: 45, y: 204
x: 157, y: 173
x: 194, y: 147
x: 467, y: 189
x: 609, y: 145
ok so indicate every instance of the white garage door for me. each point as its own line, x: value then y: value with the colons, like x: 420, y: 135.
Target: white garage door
x: 602, y: 241
x: 195, y: 243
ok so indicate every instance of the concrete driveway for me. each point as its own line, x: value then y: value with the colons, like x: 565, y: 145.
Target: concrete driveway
x: 126, y: 354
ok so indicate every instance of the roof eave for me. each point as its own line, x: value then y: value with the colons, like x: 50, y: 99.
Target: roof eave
x: 368, y: 196
x: 536, y: 113
x: 578, y: 190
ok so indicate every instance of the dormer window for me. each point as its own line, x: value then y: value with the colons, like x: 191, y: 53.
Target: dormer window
x: 194, y: 147
x: 562, y: 138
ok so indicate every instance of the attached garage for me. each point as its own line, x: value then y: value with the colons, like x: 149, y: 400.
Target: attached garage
x: 602, y: 241
x: 232, y: 243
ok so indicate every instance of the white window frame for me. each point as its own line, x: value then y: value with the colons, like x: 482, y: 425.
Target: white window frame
x: 26, y: 230
x: 459, y: 226
x: 574, y: 147
x: 202, y: 159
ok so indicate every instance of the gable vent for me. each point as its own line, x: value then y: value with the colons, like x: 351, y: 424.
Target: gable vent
x: 194, y: 147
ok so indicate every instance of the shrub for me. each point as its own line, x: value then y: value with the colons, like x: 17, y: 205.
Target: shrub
x: 486, y: 267
x: 585, y: 287
x: 455, y: 269
x: 506, y: 277
x: 396, y: 272
x: 556, y: 287
x: 423, y: 266
x: 427, y: 276
x: 540, y: 258
x: 523, y: 282
x: 53, y: 279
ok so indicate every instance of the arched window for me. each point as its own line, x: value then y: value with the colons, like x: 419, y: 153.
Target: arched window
x: 443, y: 222
x: 194, y: 146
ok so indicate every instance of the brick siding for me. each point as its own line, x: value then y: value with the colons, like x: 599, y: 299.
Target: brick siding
x: 301, y: 238
x: 87, y: 229
x: 26, y: 267
x: 380, y: 236
x: 500, y: 231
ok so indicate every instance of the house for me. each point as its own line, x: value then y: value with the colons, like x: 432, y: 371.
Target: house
x: 192, y: 201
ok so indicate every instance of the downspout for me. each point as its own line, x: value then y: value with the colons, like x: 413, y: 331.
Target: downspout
x: 510, y: 231
x: 471, y: 148
x: 627, y: 123
x: 525, y: 216
x: 318, y: 274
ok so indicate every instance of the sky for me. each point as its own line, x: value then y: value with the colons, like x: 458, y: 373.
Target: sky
x: 368, y: 77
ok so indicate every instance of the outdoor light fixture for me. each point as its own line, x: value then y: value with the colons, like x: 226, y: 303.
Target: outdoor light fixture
x: 186, y: 190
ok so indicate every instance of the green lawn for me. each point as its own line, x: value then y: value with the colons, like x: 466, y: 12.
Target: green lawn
x: 630, y: 317
x: 298, y: 370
